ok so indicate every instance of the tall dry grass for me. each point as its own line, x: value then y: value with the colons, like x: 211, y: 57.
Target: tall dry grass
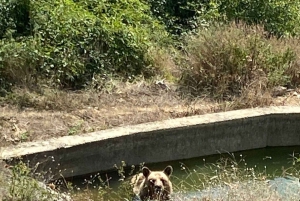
x: 237, y: 60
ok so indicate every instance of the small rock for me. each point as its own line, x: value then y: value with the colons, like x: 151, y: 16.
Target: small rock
x: 279, y: 91
x: 162, y: 84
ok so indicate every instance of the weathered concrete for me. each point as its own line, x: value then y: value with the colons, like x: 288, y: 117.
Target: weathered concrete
x: 166, y: 140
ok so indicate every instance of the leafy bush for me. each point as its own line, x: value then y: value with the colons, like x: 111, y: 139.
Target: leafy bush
x: 226, y: 59
x: 129, y: 30
x: 73, y: 41
x: 18, y: 62
x: 278, y: 17
x: 65, y: 32
x: 70, y: 43
x: 181, y: 17
x: 14, y: 18
x: 23, y: 187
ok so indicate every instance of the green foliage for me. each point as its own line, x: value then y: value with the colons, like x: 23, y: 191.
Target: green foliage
x: 23, y: 188
x: 65, y: 31
x: 7, y: 21
x: 276, y: 65
x: 129, y: 30
x: 14, y: 18
x: 181, y: 17
x: 104, y: 191
x: 124, y: 191
x: 76, y: 128
x: 18, y: 62
x: 73, y: 41
x: 279, y: 17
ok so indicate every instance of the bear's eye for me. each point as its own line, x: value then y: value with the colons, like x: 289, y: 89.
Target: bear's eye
x: 152, y: 181
x: 163, y: 181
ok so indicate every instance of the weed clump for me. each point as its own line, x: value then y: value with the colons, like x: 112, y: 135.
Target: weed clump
x: 225, y: 61
x: 20, y: 185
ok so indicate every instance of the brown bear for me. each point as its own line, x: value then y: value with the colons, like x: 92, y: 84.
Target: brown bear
x: 153, y: 185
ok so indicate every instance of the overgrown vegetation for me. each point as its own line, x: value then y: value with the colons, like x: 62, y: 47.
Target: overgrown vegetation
x: 20, y: 185
x: 227, y: 59
x: 72, y: 44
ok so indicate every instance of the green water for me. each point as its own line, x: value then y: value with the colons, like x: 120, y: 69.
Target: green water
x: 271, y: 160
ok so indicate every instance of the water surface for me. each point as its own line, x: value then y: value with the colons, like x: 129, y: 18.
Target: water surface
x: 270, y: 160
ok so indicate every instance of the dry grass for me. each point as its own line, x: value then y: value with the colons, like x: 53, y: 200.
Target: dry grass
x: 5, y: 176
x: 164, y: 64
x: 227, y: 61
x: 60, y: 113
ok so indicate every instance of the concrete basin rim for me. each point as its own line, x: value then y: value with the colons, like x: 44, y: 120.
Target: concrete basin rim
x: 66, y: 142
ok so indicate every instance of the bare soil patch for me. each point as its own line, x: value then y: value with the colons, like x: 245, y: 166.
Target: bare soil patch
x: 57, y: 113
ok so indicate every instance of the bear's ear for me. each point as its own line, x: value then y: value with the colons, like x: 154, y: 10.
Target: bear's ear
x: 146, y: 171
x: 168, y: 170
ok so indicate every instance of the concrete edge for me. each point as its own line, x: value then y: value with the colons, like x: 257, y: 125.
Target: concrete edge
x: 135, y: 134
x: 74, y: 140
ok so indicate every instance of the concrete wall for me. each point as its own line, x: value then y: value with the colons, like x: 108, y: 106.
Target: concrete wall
x: 163, y: 141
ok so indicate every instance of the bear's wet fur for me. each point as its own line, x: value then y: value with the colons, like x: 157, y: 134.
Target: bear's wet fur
x: 153, y: 185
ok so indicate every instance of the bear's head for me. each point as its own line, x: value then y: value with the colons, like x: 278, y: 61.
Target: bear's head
x: 158, y: 183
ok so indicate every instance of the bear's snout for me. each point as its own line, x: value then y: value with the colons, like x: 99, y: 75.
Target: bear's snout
x: 158, y: 188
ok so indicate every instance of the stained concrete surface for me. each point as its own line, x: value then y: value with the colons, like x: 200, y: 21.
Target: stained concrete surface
x: 167, y: 140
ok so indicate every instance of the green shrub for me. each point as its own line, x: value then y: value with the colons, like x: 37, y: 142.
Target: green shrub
x: 73, y: 41
x: 19, y: 62
x: 65, y: 31
x: 128, y: 30
x: 278, y: 17
x: 226, y: 59
x: 22, y: 187
x: 180, y: 17
x: 7, y: 21
x: 89, y: 37
x: 14, y: 18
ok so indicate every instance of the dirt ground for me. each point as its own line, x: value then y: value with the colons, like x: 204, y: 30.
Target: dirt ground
x: 56, y: 114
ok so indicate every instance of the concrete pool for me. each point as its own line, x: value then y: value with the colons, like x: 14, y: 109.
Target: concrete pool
x: 169, y: 140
